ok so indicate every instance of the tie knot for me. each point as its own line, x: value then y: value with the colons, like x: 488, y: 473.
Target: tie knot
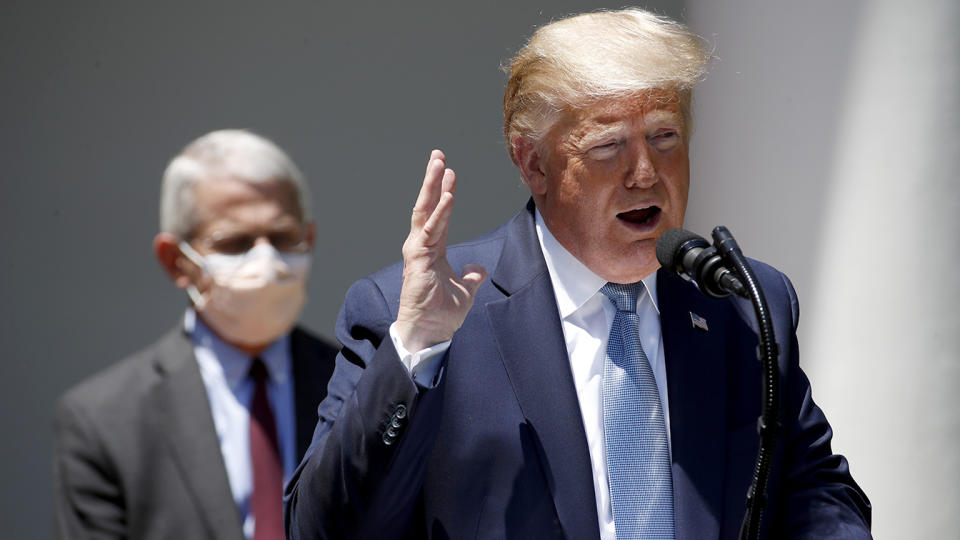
x: 258, y: 370
x: 623, y: 295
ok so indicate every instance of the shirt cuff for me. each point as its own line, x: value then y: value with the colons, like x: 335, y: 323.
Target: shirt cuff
x: 422, y: 365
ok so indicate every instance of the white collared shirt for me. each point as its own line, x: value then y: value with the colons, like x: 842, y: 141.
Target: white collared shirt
x: 586, y: 316
x: 225, y: 373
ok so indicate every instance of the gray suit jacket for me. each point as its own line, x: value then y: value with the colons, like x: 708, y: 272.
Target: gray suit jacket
x: 136, y: 452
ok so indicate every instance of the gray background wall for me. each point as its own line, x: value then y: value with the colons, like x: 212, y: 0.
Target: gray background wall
x: 96, y: 97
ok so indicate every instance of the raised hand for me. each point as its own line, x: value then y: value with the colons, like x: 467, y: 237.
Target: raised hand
x: 434, y: 299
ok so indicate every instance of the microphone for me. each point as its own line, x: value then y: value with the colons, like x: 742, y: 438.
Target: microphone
x: 691, y: 256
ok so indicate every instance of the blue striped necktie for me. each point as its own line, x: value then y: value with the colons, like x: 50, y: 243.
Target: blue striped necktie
x: 635, y: 433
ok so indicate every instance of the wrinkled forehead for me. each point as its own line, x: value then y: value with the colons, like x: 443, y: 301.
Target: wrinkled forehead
x: 655, y: 107
x: 224, y: 198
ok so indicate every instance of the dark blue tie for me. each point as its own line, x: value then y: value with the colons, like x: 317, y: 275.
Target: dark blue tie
x: 635, y: 433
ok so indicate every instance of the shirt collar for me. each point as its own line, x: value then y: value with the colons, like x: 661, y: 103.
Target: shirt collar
x: 573, y: 283
x: 235, y: 363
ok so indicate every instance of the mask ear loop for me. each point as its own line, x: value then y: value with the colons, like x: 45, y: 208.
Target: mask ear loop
x: 191, y: 254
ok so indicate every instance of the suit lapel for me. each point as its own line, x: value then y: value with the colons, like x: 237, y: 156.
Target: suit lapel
x: 536, y: 362
x: 696, y: 382
x: 182, y: 413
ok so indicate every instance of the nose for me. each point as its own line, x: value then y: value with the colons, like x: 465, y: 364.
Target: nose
x: 642, y: 172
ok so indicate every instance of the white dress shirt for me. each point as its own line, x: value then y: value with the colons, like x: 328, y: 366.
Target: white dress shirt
x: 586, y: 316
x: 225, y: 373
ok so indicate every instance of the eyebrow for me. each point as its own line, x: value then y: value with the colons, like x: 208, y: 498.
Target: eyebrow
x: 593, y: 134
x: 664, y: 115
x: 232, y: 228
x: 606, y: 126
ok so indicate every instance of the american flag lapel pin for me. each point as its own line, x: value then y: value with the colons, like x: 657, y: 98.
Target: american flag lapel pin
x: 698, y: 322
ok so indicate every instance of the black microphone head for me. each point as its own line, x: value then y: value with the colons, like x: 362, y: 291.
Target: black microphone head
x: 669, y: 244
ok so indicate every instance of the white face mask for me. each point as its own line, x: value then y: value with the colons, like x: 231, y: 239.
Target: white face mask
x: 254, y: 297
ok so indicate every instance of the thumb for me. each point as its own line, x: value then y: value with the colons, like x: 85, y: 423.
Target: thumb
x: 472, y: 276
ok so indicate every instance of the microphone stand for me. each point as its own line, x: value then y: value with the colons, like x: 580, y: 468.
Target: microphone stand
x: 768, y: 424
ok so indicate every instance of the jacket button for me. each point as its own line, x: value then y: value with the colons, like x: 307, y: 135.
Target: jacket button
x: 387, y: 439
x: 395, y: 423
x: 401, y: 411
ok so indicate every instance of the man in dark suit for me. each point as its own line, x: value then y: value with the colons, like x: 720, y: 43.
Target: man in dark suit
x: 580, y: 391
x: 193, y: 436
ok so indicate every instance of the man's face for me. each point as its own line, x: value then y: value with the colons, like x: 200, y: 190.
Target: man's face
x: 233, y: 215
x: 615, y: 176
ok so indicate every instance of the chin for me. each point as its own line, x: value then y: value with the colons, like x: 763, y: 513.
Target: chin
x: 633, y: 277
x: 629, y: 271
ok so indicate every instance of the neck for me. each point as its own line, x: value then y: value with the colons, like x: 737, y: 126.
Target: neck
x: 251, y: 350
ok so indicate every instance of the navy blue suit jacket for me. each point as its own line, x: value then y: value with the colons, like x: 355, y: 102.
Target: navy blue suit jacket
x: 496, y: 448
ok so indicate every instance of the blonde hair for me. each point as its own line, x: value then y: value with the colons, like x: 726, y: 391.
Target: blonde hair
x: 573, y: 62
x: 227, y: 153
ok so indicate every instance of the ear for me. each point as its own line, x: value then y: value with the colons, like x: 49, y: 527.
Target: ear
x: 181, y: 270
x: 532, y: 164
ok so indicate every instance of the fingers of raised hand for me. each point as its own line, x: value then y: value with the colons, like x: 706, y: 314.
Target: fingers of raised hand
x: 430, y: 190
x: 435, y: 229
x: 436, y: 153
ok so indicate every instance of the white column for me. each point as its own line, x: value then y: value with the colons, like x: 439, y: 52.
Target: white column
x: 883, y: 345
x: 828, y: 139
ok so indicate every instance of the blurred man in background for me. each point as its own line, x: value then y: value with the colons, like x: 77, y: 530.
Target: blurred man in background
x: 194, y: 436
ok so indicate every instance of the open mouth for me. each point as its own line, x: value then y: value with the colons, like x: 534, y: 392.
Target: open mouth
x: 640, y: 216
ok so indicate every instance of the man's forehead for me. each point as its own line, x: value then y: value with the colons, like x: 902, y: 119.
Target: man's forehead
x: 614, y: 114
x: 652, y: 106
x: 229, y: 191
x: 230, y: 199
